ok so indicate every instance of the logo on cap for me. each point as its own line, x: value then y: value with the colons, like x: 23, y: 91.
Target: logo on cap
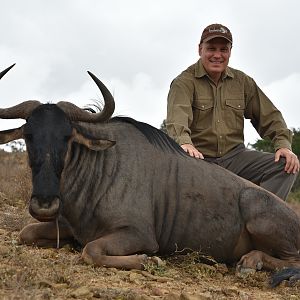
x: 221, y: 30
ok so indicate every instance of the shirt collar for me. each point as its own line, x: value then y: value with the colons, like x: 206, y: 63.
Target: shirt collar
x: 201, y: 72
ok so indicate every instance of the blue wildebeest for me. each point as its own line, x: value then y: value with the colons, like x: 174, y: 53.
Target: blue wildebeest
x: 125, y: 190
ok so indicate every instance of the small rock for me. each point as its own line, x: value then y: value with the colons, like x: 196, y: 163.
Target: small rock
x: 45, y: 284
x: 60, y: 286
x: 157, y: 292
x: 200, y: 296
x: 215, y: 290
x: 4, y: 250
x: 82, y: 292
x: 230, y: 291
x: 171, y: 296
x: 145, y: 297
x: 2, y: 231
x: 244, y: 296
x: 135, y: 278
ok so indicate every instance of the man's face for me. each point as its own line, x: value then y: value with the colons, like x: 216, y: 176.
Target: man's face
x: 215, y: 55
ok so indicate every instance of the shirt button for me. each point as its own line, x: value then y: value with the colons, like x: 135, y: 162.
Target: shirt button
x: 239, y: 106
x: 221, y: 136
x: 202, y: 106
x: 218, y: 121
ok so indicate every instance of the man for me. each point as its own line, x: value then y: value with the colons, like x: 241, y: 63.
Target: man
x: 207, y: 104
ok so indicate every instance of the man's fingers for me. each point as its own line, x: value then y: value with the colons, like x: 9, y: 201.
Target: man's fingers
x: 292, y: 164
x: 277, y: 156
x: 192, y: 151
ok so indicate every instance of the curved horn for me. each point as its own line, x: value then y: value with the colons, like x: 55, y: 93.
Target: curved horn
x: 77, y: 114
x: 5, y: 71
x: 19, y: 111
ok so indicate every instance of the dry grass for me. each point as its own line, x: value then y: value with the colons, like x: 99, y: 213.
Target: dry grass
x: 32, y: 273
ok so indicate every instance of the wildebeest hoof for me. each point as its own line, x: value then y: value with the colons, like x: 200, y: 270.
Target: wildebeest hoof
x: 153, y: 261
x: 252, y: 260
x: 157, y: 261
x: 242, y: 272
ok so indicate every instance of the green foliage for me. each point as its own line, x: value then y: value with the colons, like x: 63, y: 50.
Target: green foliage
x: 263, y: 145
x: 163, y: 126
x: 267, y: 146
x: 296, y: 142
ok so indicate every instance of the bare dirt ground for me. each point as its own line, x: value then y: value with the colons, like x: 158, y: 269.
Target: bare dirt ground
x: 32, y: 273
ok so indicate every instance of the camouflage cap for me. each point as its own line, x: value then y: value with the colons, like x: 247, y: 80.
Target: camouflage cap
x: 216, y: 30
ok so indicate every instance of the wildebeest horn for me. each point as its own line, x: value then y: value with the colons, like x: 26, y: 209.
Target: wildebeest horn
x: 77, y: 114
x: 5, y: 71
x: 19, y: 111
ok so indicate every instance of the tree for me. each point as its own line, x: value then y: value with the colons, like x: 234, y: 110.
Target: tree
x: 163, y: 126
x: 267, y: 146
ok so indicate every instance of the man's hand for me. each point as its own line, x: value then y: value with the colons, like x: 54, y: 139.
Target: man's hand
x: 292, y: 162
x: 192, y: 151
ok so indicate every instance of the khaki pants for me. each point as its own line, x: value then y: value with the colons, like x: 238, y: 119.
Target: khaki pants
x: 258, y: 167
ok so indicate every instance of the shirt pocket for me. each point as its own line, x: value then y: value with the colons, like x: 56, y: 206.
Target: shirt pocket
x: 234, y: 112
x: 202, y: 113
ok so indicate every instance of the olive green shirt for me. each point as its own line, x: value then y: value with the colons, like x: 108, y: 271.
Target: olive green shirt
x: 212, y: 117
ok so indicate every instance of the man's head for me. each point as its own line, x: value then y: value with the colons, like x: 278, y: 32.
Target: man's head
x: 215, y: 49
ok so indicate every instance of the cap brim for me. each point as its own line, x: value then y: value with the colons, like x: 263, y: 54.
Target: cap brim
x: 216, y: 36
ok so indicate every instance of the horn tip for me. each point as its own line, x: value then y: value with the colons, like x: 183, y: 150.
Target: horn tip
x: 6, y: 70
x: 11, y: 66
x: 90, y: 73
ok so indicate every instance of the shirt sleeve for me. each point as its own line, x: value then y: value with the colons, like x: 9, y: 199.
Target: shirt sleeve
x: 265, y: 117
x: 179, y: 111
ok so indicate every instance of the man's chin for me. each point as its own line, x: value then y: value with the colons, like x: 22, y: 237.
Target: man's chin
x: 216, y: 69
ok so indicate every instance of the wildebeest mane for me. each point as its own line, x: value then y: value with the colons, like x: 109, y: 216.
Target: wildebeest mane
x: 155, y: 136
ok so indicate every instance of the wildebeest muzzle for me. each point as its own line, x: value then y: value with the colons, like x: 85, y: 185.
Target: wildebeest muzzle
x: 44, y: 210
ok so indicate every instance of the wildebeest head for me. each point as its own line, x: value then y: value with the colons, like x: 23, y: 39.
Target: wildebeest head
x: 48, y: 133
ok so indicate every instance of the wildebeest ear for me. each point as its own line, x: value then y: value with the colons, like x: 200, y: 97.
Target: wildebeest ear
x: 11, y: 135
x: 91, y: 143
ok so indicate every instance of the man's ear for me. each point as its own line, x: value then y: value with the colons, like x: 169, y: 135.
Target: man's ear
x: 200, y: 49
x: 11, y: 135
x: 93, y: 144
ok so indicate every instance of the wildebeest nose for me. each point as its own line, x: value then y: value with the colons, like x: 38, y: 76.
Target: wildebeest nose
x: 44, y: 210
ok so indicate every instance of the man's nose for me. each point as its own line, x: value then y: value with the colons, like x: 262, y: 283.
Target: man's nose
x: 217, y: 53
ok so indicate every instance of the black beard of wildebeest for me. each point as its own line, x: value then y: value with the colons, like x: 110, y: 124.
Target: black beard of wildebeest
x: 124, y: 189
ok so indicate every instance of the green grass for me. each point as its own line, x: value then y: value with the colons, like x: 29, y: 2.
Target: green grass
x: 294, y: 197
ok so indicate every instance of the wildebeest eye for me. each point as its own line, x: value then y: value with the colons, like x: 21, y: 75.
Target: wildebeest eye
x: 67, y: 137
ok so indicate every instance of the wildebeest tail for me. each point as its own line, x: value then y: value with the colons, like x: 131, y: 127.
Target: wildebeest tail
x: 291, y: 274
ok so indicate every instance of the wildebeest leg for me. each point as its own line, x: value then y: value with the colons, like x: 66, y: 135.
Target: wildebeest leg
x: 259, y: 259
x: 274, y: 230
x: 44, y: 234
x: 116, y: 249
